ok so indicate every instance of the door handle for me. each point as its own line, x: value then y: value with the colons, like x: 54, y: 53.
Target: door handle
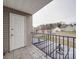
x: 11, y: 28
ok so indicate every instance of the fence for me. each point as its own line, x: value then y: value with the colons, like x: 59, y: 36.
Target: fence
x: 55, y: 46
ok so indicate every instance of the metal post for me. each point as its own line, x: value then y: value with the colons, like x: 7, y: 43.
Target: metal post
x: 68, y: 46
x: 59, y: 46
x: 73, y: 48
x: 56, y: 46
x: 63, y: 46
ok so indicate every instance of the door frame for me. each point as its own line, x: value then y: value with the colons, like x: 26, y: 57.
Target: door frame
x: 12, y: 25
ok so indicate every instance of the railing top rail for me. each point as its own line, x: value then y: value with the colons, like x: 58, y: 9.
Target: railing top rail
x: 55, y: 35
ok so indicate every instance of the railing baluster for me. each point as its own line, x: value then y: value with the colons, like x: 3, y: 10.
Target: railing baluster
x: 68, y: 46
x: 56, y: 46
x: 53, y: 45
x: 73, y: 48
x: 59, y: 46
x: 63, y: 46
x: 44, y: 40
x: 50, y: 44
x: 46, y: 45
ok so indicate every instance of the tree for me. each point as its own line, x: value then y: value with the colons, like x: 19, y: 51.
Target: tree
x: 59, y: 25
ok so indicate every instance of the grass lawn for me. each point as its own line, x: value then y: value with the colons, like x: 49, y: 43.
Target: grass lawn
x: 67, y: 33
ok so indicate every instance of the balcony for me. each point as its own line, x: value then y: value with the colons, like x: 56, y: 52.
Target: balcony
x: 46, y: 46
x: 55, y: 46
x: 19, y: 43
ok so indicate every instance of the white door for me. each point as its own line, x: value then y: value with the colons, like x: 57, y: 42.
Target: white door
x: 16, y: 31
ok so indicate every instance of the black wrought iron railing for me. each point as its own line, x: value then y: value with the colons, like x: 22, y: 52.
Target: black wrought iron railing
x: 55, y: 46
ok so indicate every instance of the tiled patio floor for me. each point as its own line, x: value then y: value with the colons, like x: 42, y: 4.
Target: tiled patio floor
x: 30, y: 52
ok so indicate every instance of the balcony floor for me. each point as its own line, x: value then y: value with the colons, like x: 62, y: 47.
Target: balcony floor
x: 30, y: 52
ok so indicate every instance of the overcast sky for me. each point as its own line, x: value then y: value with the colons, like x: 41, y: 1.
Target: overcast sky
x: 56, y: 11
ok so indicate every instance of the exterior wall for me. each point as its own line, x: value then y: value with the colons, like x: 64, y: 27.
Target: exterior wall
x: 28, y: 30
x: 5, y: 31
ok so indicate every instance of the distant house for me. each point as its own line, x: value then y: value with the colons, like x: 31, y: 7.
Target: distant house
x: 40, y: 31
x: 57, y: 29
x: 45, y: 31
x: 69, y: 28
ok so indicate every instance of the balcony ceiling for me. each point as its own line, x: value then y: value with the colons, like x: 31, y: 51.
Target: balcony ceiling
x: 28, y: 6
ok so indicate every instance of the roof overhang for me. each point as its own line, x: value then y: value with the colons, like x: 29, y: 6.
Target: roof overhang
x: 28, y: 6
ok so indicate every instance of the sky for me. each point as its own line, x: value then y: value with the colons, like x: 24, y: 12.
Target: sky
x: 56, y: 11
